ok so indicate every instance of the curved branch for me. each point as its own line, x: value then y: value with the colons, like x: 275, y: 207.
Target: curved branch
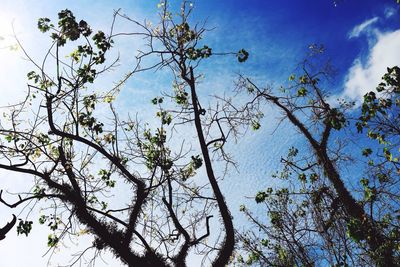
x: 229, y: 242
x: 7, y: 228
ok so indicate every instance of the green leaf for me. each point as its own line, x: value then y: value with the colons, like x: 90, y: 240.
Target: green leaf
x: 242, y: 55
x: 44, y: 24
x: 383, y: 178
x: 364, y: 182
x: 313, y: 177
x: 52, y: 240
x: 370, y: 193
x: 24, y: 227
x: 302, y: 92
x: 38, y: 191
x: 197, y: 162
x: 303, y: 79
x: 255, y: 125
x: 354, y: 230
x: 166, y: 118
x: 33, y: 76
x: 181, y: 97
x: 275, y: 218
x: 261, y: 196
x: 9, y: 138
x: 388, y: 154
x: 366, y: 152
x: 302, y: 177
x: 336, y: 119
x: 42, y: 219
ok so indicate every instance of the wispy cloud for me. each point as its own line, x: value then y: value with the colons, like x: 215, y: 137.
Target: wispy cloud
x: 362, y: 28
x: 390, y: 12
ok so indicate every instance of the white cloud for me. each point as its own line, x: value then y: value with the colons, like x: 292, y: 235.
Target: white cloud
x: 390, y: 12
x: 362, y: 28
x: 364, y: 77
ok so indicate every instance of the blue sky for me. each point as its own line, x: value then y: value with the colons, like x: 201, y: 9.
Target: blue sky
x: 361, y: 37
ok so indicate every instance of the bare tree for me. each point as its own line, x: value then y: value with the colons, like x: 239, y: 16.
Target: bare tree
x: 78, y: 158
x: 347, y: 228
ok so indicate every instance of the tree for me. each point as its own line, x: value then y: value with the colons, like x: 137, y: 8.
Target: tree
x: 316, y: 219
x: 78, y: 158
x: 7, y: 228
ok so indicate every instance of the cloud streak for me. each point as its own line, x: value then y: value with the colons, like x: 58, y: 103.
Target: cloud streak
x: 362, y: 28
x: 390, y: 12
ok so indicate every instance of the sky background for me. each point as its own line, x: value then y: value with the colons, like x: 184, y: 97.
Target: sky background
x: 362, y: 38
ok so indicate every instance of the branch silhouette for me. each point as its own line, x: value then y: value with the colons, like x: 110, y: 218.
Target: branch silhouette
x: 7, y: 228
